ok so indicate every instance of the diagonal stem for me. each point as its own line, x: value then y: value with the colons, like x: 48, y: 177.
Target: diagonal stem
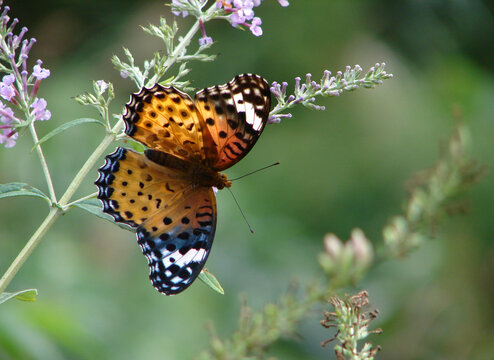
x: 55, y: 212
x: 44, y: 165
x: 28, y: 249
x: 76, y: 182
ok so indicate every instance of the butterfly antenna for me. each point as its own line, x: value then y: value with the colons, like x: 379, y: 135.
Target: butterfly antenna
x: 243, y: 215
x: 253, y: 172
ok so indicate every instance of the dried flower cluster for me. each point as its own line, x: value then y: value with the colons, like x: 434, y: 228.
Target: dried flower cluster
x: 352, y: 325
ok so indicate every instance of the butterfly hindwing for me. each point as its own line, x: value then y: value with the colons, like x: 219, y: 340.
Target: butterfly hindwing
x: 177, y: 239
x: 234, y: 115
x: 175, y: 220
x: 165, y: 119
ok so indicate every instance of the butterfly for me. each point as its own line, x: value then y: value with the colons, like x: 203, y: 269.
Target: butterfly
x: 166, y: 193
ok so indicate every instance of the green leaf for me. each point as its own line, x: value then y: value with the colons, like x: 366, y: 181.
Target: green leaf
x: 137, y: 146
x: 210, y: 280
x: 66, y: 126
x: 23, y: 295
x: 94, y: 207
x: 21, y: 189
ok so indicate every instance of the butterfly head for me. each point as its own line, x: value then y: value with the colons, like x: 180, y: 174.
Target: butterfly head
x: 223, y: 181
x: 207, y: 177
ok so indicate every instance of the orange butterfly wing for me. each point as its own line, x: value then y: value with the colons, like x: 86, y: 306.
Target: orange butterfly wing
x: 165, y: 119
x: 160, y: 192
x: 234, y: 115
x: 175, y: 220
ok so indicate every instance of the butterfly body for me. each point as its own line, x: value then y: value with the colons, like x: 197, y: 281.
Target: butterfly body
x: 196, y: 172
x: 167, y: 192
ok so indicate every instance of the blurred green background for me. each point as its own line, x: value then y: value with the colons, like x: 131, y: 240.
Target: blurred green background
x: 342, y: 168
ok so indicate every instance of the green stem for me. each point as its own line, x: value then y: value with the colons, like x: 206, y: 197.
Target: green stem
x: 28, y: 249
x: 76, y: 182
x: 90, y: 196
x: 55, y: 212
x: 172, y: 58
x: 44, y: 165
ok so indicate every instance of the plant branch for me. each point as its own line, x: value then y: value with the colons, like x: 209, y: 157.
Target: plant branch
x: 172, y: 58
x: 90, y: 196
x: 44, y: 165
x: 76, y: 182
x: 28, y: 249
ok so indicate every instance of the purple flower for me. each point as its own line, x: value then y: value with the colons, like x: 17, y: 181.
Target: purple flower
x: 7, y: 91
x: 6, y: 114
x: 205, y: 40
x: 255, y: 28
x: 39, y: 73
x: 177, y: 13
x: 124, y: 74
x: 102, y: 86
x: 39, y: 110
x: 242, y: 12
x: 8, y: 137
x: 8, y: 80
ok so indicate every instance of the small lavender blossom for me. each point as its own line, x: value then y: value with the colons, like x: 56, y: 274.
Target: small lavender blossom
x: 184, y: 13
x: 7, y: 90
x: 40, y: 73
x: 102, y: 86
x: 39, y: 110
x: 8, y: 138
x: 255, y: 28
x: 124, y: 74
x: 8, y: 80
x: 242, y: 13
x: 6, y: 114
x: 205, y: 40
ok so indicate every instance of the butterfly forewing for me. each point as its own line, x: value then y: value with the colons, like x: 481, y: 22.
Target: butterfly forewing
x: 165, y: 119
x: 234, y: 115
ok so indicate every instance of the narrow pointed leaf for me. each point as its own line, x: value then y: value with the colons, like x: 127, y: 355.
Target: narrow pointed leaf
x: 94, y: 207
x: 23, y: 295
x: 137, y: 146
x: 210, y: 280
x: 21, y: 189
x: 66, y: 126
